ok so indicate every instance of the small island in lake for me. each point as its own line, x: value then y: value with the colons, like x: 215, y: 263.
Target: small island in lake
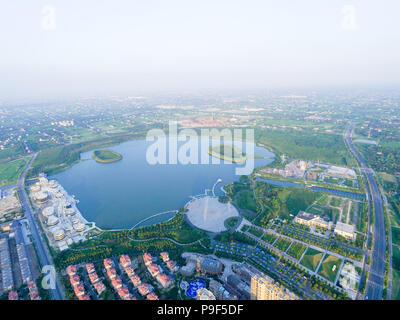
x: 236, y: 155
x: 106, y: 156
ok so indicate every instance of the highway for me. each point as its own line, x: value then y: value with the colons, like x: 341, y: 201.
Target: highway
x: 374, y: 289
x: 43, y: 254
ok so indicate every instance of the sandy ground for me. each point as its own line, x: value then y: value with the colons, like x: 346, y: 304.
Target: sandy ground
x: 209, y: 214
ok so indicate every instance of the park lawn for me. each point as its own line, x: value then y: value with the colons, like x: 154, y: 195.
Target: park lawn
x: 256, y: 232
x: 306, y: 145
x: 396, y: 235
x: 323, y: 200
x: 293, y: 200
x: 231, y: 222
x: 296, y: 250
x: 269, y: 238
x: 245, y: 200
x: 396, y: 285
x: 396, y: 258
x: 311, y: 258
x: 387, y: 177
x: 176, y: 229
x: 330, y: 267
x: 323, y: 210
x: 10, y: 171
x: 395, y: 213
x: 317, y: 209
x: 187, y: 235
x: 335, y: 202
x: 300, y: 199
x: 282, y: 244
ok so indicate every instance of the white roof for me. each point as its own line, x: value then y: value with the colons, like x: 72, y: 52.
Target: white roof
x: 48, y: 211
x: 344, y: 227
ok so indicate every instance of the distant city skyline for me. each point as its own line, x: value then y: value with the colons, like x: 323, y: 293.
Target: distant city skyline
x: 60, y: 49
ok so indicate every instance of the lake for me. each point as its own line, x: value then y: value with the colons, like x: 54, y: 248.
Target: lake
x: 120, y: 194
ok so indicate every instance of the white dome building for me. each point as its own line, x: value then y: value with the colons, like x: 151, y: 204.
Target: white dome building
x: 58, y: 234
x: 52, y: 221
x: 69, y: 212
x: 35, y: 188
x: 43, y: 181
x: 48, y: 211
x: 41, y: 197
x: 79, y: 227
x: 53, y: 184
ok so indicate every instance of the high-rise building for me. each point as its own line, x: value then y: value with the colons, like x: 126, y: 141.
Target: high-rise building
x: 265, y: 288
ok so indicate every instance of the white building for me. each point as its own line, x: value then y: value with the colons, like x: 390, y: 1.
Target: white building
x: 345, y: 230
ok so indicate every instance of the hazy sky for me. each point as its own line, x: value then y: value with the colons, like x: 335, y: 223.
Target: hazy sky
x: 93, y: 47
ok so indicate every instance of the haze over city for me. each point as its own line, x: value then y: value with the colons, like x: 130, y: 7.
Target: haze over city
x: 200, y: 150
x: 54, y: 49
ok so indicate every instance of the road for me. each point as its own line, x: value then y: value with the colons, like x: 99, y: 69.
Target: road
x: 43, y: 254
x: 374, y: 289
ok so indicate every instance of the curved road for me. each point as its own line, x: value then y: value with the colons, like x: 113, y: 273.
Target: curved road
x: 374, y: 289
x: 43, y: 254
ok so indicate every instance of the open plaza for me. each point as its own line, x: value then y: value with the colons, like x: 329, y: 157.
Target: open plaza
x: 209, y: 214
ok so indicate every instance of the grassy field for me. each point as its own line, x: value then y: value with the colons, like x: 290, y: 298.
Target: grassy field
x: 231, y: 222
x: 322, y: 211
x: 300, y: 199
x: 176, y: 229
x: 106, y: 156
x: 323, y: 200
x: 256, y: 232
x: 396, y: 235
x: 330, y: 267
x: 10, y: 171
x: 335, y: 202
x: 306, y: 145
x: 269, y: 238
x: 311, y: 259
x: 296, y: 250
x: 282, y: 202
x: 396, y: 258
x: 282, y: 244
x: 387, y: 177
x: 396, y: 285
x: 291, y: 201
x: 245, y: 200
x: 396, y: 273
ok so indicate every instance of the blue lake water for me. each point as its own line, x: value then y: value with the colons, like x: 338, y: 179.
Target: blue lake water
x: 278, y: 183
x: 120, y: 194
x: 288, y: 184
